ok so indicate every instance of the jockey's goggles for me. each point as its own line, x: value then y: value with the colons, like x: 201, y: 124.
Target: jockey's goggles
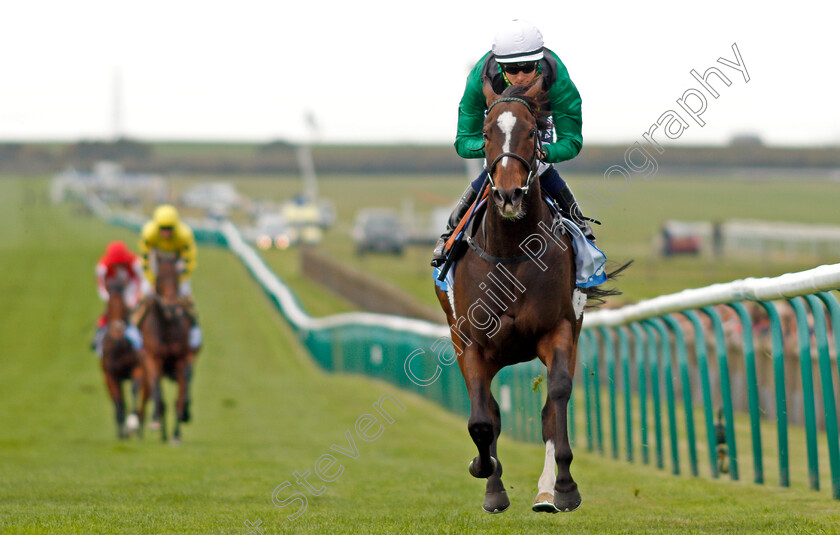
x: 516, y: 68
x: 166, y: 227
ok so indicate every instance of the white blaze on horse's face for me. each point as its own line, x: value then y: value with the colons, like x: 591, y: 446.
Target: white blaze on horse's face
x: 506, y: 122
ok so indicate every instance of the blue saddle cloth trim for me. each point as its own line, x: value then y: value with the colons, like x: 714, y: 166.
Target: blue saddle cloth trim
x: 590, y: 262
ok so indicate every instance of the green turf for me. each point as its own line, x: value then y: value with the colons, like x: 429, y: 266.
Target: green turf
x: 262, y: 411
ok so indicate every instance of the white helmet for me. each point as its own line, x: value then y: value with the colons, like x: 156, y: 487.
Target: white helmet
x: 518, y: 41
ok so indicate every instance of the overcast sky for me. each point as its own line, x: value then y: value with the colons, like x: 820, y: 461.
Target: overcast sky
x: 376, y: 71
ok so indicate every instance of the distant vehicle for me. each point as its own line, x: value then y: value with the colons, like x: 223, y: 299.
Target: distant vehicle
x: 680, y: 238
x: 272, y: 231
x: 379, y: 230
x: 218, y: 197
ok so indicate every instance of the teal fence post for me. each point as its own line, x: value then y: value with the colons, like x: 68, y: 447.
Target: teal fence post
x: 609, y: 355
x: 665, y: 348
x: 688, y: 403
x: 703, y: 368
x: 752, y: 389
x: 624, y: 351
x: 725, y: 389
x: 834, y: 310
x: 821, y: 335
x: 596, y: 387
x: 653, y: 367
x: 639, y: 337
x: 778, y: 350
x: 586, y: 370
x: 804, y: 336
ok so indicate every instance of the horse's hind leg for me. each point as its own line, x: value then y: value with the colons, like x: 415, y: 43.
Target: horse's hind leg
x: 495, y: 497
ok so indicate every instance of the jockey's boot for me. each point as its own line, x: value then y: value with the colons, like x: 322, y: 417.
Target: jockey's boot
x: 467, y: 198
x: 569, y: 206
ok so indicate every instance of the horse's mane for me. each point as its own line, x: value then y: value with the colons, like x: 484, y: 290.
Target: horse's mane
x: 539, y: 104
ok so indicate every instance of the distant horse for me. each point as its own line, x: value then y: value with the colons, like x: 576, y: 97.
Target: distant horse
x: 120, y: 362
x: 510, y: 307
x: 165, y: 325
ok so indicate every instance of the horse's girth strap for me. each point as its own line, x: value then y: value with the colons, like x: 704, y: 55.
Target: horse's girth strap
x: 451, y: 241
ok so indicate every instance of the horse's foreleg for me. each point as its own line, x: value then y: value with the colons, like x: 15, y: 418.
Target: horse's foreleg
x: 495, y: 497
x: 544, y: 501
x: 480, y: 425
x: 115, y: 391
x: 183, y: 372
x: 560, y: 369
x: 188, y: 375
x: 140, y: 392
x: 154, y: 370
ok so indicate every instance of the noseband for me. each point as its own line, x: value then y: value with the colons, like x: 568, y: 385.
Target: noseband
x: 531, y: 166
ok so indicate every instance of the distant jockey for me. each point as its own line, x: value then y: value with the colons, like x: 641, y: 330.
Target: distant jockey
x: 166, y: 233
x: 118, y: 263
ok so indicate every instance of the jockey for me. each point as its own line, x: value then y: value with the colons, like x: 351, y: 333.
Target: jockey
x: 518, y: 57
x: 166, y: 233
x: 120, y: 263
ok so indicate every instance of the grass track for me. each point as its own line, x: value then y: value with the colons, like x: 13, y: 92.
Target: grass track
x: 263, y: 411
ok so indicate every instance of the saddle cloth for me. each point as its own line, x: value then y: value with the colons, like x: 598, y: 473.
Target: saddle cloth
x: 590, y: 261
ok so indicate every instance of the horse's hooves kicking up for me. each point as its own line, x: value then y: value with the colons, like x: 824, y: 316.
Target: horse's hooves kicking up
x: 567, y: 502
x: 544, y: 503
x: 483, y: 472
x: 496, y: 502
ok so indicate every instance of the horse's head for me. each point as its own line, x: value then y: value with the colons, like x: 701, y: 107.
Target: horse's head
x: 167, y: 273
x: 116, y: 307
x: 512, y: 143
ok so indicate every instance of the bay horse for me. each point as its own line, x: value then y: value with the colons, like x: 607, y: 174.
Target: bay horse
x: 165, y: 325
x: 509, y: 307
x: 121, y: 362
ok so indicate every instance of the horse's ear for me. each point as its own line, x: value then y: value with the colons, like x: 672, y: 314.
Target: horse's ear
x: 536, y: 88
x: 489, y: 94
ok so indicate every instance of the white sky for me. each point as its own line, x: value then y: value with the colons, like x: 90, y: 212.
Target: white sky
x: 376, y: 71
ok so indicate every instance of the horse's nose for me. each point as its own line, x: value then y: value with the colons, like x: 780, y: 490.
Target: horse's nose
x: 511, y: 196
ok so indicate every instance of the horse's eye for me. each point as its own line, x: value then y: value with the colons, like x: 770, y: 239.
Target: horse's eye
x: 533, y: 132
x: 484, y: 134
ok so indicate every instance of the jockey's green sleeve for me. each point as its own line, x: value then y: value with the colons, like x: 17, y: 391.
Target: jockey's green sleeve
x: 565, y: 110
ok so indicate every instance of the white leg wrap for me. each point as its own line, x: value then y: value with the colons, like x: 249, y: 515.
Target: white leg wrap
x: 548, y: 476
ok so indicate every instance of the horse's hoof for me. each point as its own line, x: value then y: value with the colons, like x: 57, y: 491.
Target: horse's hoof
x: 483, y: 474
x: 132, y: 424
x: 567, y: 502
x: 544, y: 503
x: 496, y: 502
x: 175, y: 441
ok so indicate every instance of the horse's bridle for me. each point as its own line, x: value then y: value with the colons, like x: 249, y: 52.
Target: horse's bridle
x: 532, y: 165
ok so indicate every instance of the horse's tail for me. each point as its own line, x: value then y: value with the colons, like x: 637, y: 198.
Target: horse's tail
x: 596, y: 296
